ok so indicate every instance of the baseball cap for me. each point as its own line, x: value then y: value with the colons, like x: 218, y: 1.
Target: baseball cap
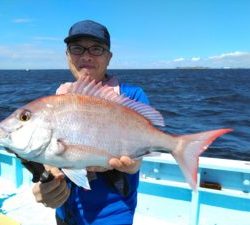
x: 88, y: 28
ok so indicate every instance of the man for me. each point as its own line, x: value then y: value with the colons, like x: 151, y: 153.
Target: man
x: 113, y: 195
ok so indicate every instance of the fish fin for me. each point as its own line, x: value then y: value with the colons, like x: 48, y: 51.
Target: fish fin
x: 188, y: 149
x: 61, y: 147
x: 87, y: 86
x: 79, y: 177
x: 57, y: 146
x: 146, y: 111
x: 148, y: 151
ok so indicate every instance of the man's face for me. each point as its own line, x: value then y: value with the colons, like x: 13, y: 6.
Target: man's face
x: 87, y: 57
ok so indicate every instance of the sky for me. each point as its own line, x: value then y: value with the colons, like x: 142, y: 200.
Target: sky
x: 145, y: 34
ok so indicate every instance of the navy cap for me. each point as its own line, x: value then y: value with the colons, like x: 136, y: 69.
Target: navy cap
x: 88, y: 28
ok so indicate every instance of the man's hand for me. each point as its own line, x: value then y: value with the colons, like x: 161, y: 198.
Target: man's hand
x: 54, y: 193
x: 124, y: 164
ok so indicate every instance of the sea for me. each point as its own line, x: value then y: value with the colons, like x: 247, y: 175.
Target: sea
x: 190, y: 100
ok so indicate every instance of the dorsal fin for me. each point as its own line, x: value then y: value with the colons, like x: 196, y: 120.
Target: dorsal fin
x: 89, y: 87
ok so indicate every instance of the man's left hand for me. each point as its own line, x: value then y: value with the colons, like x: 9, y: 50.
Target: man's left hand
x: 124, y: 164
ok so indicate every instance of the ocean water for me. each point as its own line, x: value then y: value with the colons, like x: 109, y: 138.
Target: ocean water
x: 191, y: 100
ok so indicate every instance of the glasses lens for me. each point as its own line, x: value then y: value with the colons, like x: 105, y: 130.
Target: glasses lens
x: 96, y: 50
x: 93, y: 50
x: 76, y: 49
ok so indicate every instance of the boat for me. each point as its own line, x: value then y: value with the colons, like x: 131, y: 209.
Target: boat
x: 222, y: 195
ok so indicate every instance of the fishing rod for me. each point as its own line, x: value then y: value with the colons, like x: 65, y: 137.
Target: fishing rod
x: 38, y: 171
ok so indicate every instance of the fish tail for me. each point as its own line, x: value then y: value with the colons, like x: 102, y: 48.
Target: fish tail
x: 188, y: 149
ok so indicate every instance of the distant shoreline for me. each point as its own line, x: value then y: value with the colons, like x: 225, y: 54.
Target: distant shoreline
x: 177, y: 68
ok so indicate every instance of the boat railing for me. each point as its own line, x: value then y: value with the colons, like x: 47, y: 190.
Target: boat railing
x: 221, y: 184
x: 223, y: 187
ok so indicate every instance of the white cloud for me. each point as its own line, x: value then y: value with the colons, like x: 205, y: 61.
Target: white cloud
x: 235, y: 59
x: 232, y: 59
x: 32, y: 57
x: 195, y: 58
x: 179, y: 60
x: 230, y: 54
x: 21, y: 20
x: 39, y: 57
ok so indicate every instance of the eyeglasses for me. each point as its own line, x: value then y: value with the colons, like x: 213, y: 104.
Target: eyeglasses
x: 95, y: 50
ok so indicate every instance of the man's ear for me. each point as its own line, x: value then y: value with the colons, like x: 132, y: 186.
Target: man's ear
x: 110, y: 56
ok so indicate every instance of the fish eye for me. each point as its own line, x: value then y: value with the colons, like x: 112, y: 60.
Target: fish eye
x: 25, y: 115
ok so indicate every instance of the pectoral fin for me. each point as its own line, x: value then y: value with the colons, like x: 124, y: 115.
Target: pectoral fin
x: 79, y: 177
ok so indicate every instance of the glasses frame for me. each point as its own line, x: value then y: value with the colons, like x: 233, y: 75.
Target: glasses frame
x: 84, y: 49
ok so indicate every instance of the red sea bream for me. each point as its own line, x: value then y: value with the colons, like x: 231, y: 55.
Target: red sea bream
x: 91, y: 124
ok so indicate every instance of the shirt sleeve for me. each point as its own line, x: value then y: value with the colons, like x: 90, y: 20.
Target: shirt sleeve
x: 135, y: 93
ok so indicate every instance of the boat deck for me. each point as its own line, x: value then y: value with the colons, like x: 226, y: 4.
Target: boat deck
x: 164, y: 197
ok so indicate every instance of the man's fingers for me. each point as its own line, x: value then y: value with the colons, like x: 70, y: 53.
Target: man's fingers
x: 127, y: 161
x: 124, y: 161
x: 125, y: 164
x: 50, y: 186
x: 59, y: 199
x: 115, y: 163
x: 57, y: 173
x: 60, y: 190
x: 51, y: 194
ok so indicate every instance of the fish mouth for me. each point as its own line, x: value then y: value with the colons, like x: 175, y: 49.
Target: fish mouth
x: 7, y: 149
x: 3, y: 133
x: 25, y: 151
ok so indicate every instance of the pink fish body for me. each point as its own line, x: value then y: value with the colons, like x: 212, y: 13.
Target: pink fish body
x: 92, y: 124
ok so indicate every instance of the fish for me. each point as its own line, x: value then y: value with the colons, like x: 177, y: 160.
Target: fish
x: 89, y: 125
